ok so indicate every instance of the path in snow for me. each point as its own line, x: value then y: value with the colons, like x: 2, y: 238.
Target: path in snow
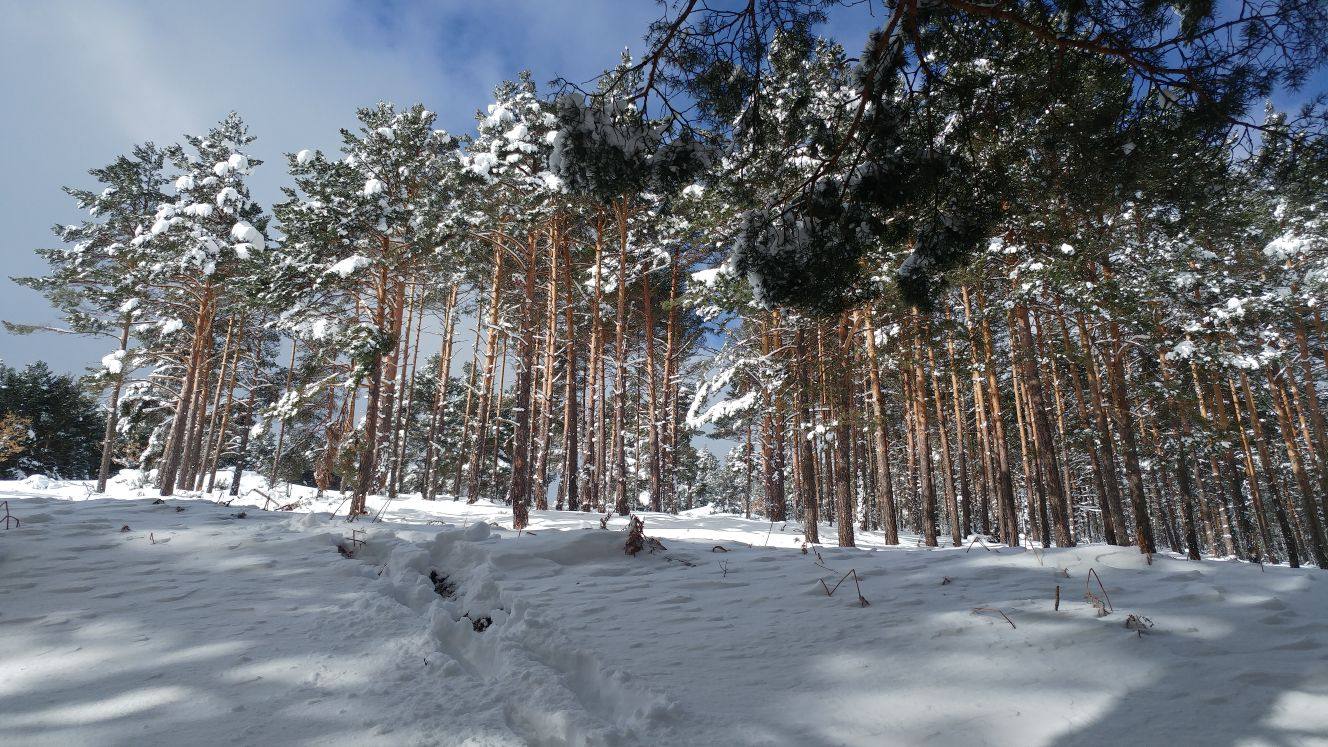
x: 231, y: 630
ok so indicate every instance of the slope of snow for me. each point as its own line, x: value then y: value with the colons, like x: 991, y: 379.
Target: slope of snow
x: 204, y: 627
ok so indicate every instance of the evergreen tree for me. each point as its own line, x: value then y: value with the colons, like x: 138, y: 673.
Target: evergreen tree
x: 63, y: 421
x: 99, y: 281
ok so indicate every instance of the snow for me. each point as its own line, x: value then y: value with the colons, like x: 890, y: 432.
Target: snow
x: 480, y: 163
x: 113, y: 362
x: 373, y: 187
x: 551, y: 181
x: 203, y: 626
x: 237, y: 162
x: 347, y: 267
x: 244, y: 232
x: 1288, y: 246
x: 227, y: 194
x: 722, y: 409
x: 517, y: 134
x: 1183, y: 350
x: 304, y: 157
x: 710, y: 276
x: 321, y: 328
x: 499, y: 115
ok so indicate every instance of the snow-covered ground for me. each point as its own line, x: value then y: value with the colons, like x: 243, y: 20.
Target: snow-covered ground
x: 124, y: 621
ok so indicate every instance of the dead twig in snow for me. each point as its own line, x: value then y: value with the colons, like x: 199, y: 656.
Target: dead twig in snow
x: 830, y: 592
x: 1036, y: 552
x: 636, y: 535
x: 1104, y: 608
x: 357, y: 541
x: 1138, y: 623
x: 978, y: 610
x: 977, y: 541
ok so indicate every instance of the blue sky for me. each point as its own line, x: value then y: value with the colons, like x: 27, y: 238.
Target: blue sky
x: 81, y: 82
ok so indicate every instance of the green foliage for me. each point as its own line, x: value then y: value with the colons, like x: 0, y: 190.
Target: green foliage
x: 64, y: 421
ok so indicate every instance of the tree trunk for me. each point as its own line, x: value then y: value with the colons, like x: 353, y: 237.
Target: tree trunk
x: 571, y: 470
x: 807, y: 460
x: 620, y: 372
x: 175, y: 441
x: 843, y: 432
x: 594, y: 432
x: 388, y: 395
x: 1275, y: 493
x: 401, y: 434
x: 652, y: 412
x: 1040, y: 428
x: 1093, y: 443
x: 1143, y: 529
x: 947, y: 464
x: 113, y: 415
x: 961, y: 434
x: 486, y: 389
x: 772, y: 468
x: 427, y: 479
x: 519, y: 492
x: 542, y: 442
x: 881, y: 436
x: 1309, y: 505
x: 214, y: 451
x: 281, y: 427
x: 671, y: 335
x: 465, y: 439
x: 1004, y: 484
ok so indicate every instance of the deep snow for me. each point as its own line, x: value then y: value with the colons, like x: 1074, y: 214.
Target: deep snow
x: 199, y: 626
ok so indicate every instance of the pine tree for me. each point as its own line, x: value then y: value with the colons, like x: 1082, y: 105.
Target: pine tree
x: 98, y: 282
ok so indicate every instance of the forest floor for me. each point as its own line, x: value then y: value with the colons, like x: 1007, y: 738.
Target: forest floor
x: 126, y: 621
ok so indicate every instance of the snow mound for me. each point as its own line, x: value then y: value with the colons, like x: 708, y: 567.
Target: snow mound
x: 38, y: 482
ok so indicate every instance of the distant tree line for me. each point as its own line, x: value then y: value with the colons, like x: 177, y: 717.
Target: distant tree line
x: 49, y: 424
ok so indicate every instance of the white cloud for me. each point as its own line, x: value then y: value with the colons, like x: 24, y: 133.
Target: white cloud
x: 82, y: 82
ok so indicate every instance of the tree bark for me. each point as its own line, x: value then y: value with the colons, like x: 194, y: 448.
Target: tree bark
x: 1040, y: 428
x: 881, y: 436
x: 843, y: 432
x: 113, y: 414
x: 486, y: 389
x: 519, y: 492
